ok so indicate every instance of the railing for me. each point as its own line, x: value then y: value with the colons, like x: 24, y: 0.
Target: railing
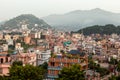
x: 52, y: 76
x: 54, y: 68
x: 64, y: 60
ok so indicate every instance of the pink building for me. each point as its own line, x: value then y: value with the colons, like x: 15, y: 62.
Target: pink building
x: 4, y: 63
x: 26, y: 58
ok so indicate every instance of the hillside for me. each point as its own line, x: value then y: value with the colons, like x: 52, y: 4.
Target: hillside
x: 28, y: 19
x: 78, y: 19
x: 106, y: 29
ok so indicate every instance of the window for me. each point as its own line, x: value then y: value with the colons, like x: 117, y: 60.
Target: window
x: 52, y: 63
x: 61, y: 64
x: 6, y: 59
x: 52, y: 72
x: 1, y: 60
x: 39, y: 56
x: 0, y: 70
x: 42, y: 56
x: 32, y: 63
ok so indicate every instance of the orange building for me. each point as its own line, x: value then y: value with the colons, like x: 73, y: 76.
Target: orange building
x: 56, y: 64
x: 27, y: 40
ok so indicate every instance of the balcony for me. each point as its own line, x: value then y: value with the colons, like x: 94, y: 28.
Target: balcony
x: 64, y: 60
x: 4, y: 65
x: 54, y: 68
x: 52, y: 76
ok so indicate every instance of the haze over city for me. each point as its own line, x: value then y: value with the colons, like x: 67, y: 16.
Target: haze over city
x: 41, y: 8
x: 59, y: 40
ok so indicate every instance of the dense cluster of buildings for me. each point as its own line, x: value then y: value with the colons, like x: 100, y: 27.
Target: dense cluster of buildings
x: 59, y: 49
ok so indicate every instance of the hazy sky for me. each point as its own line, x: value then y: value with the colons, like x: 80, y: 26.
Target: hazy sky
x: 40, y: 8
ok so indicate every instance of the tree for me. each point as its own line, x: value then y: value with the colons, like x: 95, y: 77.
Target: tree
x: 18, y: 63
x: 71, y: 73
x: 32, y: 72
x: 102, y: 71
x: 99, y: 29
x: 26, y: 46
x: 27, y: 72
x: 44, y: 65
x: 96, y: 67
x: 113, y: 61
x: 112, y: 78
x: 118, y: 66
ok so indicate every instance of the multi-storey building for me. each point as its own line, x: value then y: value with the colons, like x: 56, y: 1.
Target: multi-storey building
x: 56, y: 64
x: 26, y: 58
x: 43, y: 56
x: 98, y: 50
x: 4, y: 63
x: 7, y: 37
x: 1, y: 36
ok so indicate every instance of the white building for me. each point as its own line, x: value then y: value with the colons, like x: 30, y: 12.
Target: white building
x: 24, y: 27
x: 43, y: 56
x: 56, y: 49
x: 10, y: 41
x: 5, y: 47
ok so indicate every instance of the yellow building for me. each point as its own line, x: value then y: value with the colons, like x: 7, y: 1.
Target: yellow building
x: 7, y: 37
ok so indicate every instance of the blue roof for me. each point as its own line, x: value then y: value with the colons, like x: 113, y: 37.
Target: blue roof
x: 76, y: 52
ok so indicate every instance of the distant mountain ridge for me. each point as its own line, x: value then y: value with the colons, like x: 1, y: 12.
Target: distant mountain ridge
x: 28, y: 19
x: 100, y: 29
x: 81, y: 18
x: 2, y: 23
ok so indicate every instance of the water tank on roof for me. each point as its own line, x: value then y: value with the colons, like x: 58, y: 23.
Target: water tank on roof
x: 15, y: 52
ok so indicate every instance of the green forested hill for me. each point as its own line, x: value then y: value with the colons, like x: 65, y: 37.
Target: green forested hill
x: 29, y: 19
x: 106, y: 29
